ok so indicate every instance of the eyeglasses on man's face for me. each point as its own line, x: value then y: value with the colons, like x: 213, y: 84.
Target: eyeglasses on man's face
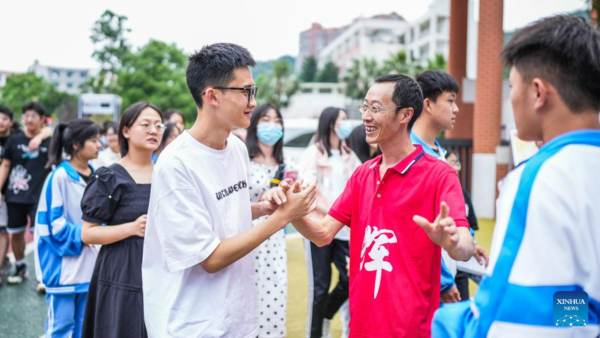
x: 363, y: 109
x: 250, y: 92
x: 147, y: 127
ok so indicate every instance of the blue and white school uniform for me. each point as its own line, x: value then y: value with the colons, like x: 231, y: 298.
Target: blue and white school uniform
x: 546, y: 240
x: 66, y: 262
x: 447, y: 274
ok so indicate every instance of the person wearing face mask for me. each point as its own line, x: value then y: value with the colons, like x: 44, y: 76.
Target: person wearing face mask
x: 332, y: 163
x: 264, y: 141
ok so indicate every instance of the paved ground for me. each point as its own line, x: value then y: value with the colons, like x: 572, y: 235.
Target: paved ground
x: 23, y: 310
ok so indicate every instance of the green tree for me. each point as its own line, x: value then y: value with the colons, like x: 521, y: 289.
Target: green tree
x: 309, y: 70
x: 360, y: 76
x: 400, y: 63
x: 156, y: 73
x: 24, y: 88
x: 111, y: 46
x: 438, y: 63
x: 277, y: 85
x: 329, y: 73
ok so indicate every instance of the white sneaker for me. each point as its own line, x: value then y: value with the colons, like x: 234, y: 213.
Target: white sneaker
x: 325, y: 329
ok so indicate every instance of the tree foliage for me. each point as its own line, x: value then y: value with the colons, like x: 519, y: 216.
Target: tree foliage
x: 329, y: 73
x: 309, y: 70
x: 156, y: 73
x: 21, y: 89
x: 111, y: 46
x: 277, y: 85
x: 363, y: 72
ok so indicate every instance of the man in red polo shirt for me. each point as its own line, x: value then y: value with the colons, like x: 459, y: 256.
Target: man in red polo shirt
x: 387, y: 203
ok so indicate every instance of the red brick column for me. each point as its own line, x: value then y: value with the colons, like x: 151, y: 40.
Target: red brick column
x: 457, y: 66
x: 488, y: 96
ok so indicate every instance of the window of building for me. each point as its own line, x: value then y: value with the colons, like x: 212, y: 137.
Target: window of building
x: 83, y: 74
x: 70, y: 74
x: 70, y: 85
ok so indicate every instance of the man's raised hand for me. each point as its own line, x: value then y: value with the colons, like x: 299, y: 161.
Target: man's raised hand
x: 442, y: 231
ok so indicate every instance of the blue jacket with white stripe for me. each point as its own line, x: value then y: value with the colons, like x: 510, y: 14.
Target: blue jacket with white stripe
x: 65, y: 261
x: 545, y: 241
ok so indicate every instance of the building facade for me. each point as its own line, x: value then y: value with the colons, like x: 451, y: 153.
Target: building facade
x: 313, y: 40
x: 68, y: 80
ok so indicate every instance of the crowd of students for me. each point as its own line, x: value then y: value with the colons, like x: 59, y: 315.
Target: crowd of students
x: 145, y: 229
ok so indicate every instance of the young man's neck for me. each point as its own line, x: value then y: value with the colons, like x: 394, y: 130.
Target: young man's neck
x: 32, y: 132
x: 426, y: 131
x: 209, y: 133
x: 5, y: 133
x: 396, y: 149
x: 565, y: 123
x: 115, y: 149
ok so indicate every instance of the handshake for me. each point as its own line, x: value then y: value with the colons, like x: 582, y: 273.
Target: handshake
x: 290, y: 201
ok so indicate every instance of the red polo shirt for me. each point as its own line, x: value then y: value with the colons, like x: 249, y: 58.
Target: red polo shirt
x: 394, y: 266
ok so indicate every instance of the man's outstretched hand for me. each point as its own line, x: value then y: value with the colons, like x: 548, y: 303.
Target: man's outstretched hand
x: 442, y: 231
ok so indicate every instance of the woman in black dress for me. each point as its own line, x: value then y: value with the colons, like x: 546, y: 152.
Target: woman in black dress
x: 114, y: 208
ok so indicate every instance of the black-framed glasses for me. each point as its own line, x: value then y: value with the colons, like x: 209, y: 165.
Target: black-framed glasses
x: 250, y: 91
x: 363, y: 108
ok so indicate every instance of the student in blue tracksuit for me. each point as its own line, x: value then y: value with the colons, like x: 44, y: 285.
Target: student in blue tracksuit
x: 439, y: 113
x: 547, y: 217
x: 66, y: 262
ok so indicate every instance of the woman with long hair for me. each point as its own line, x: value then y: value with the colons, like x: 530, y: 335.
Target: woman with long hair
x: 332, y: 163
x: 359, y: 145
x: 66, y: 263
x: 265, y: 147
x: 114, y: 208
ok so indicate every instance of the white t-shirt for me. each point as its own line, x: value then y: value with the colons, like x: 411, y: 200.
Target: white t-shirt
x: 199, y: 198
x: 105, y: 158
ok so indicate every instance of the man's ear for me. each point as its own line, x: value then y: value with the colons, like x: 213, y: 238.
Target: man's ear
x: 405, y: 115
x: 211, y: 97
x: 427, y: 105
x: 540, y: 90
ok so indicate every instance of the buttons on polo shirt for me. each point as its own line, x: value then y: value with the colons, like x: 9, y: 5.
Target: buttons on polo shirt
x: 378, y: 195
x: 377, y: 182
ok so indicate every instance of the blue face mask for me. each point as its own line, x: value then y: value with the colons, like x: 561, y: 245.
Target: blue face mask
x: 269, y: 133
x: 344, y: 131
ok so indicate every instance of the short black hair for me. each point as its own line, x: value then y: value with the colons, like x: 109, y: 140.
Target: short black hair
x: 170, y: 112
x: 435, y: 82
x: 108, y: 125
x: 213, y: 65
x: 129, y: 116
x: 407, y: 94
x: 37, y: 107
x: 564, y: 51
x: 6, y: 111
x: 252, y: 138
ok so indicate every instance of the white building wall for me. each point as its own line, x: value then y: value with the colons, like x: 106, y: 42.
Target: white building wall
x: 68, y: 80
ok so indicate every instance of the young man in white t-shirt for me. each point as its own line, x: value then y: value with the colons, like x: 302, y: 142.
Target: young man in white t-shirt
x: 198, y: 279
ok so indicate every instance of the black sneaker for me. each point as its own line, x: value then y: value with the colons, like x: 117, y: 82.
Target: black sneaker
x: 19, y: 276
